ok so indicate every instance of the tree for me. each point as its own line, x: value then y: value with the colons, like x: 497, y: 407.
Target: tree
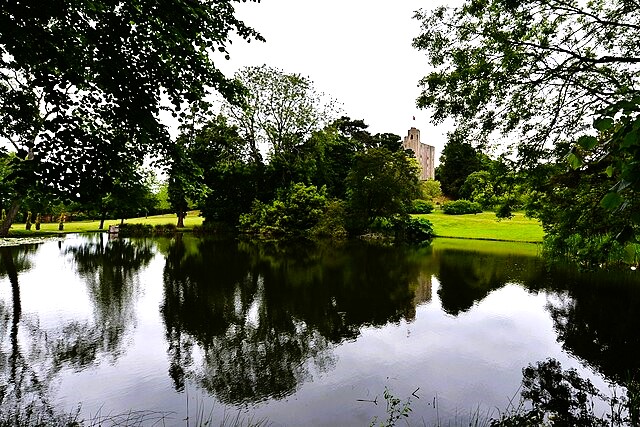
x: 83, y: 82
x: 185, y: 181
x: 459, y: 159
x: 538, y: 71
x: 279, y: 110
x: 382, y: 183
x: 560, y: 77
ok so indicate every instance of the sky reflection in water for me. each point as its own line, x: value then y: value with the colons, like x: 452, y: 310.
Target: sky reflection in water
x: 300, y: 334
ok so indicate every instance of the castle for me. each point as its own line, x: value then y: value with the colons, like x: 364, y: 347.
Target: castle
x: 424, y: 153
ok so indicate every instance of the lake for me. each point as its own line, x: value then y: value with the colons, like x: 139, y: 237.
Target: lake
x: 180, y: 330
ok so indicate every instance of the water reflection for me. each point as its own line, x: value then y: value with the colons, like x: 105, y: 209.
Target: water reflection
x: 109, y: 270
x: 37, y: 353
x: 467, y: 276
x: 260, y: 312
x: 596, y: 319
x: 248, y: 322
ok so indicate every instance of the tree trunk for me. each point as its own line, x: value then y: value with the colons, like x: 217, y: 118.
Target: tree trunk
x: 11, y: 215
x: 181, y: 215
x: 103, y: 215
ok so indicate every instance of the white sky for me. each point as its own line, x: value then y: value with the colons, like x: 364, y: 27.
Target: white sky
x: 356, y: 51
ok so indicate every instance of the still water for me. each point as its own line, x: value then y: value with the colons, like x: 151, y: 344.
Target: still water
x: 185, y: 328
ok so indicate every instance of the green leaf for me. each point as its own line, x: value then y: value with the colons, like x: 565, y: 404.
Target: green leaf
x: 587, y: 142
x: 611, y: 201
x: 609, y: 171
x: 574, y: 160
x: 630, y: 139
x: 603, y: 123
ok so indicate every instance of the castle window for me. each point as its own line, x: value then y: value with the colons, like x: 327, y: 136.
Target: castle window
x: 410, y: 136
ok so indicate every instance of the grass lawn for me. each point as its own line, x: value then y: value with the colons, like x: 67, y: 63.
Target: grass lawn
x: 486, y: 226
x: 479, y: 226
x: 18, y: 230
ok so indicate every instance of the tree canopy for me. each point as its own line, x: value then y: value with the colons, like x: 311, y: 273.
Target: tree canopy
x: 559, y: 82
x: 82, y: 82
x: 279, y: 110
x: 538, y: 70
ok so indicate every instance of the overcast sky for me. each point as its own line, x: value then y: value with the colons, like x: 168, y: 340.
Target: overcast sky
x: 357, y: 51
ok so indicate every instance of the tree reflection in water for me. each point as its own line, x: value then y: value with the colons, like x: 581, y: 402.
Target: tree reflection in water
x: 109, y: 270
x: 264, y: 314
x: 38, y: 354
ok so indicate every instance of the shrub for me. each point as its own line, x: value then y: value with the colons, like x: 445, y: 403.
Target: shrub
x: 168, y: 228
x: 135, y: 230
x: 414, y: 230
x: 296, y: 211
x: 332, y: 221
x: 420, y: 206
x: 430, y: 189
x: 461, y: 207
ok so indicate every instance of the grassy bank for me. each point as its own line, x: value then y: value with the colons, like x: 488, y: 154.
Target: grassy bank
x: 479, y: 226
x: 486, y: 226
x: 18, y: 230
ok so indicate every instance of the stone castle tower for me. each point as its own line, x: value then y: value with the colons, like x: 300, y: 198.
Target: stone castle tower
x: 424, y: 153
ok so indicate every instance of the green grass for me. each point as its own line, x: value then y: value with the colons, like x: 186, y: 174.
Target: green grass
x: 493, y: 247
x: 18, y: 230
x: 486, y: 226
x: 479, y: 226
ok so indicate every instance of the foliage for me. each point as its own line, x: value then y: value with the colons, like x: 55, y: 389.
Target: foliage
x: 382, y: 184
x: 332, y: 222
x: 540, y: 73
x: 135, y: 230
x: 431, y: 189
x: 185, y: 184
x: 478, y: 187
x: 555, y: 396
x: 458, y: 160
x: 413, y: 230
x: 420, y: 206
x: 279, y: 110
x: 233, y: 188
x: 396, y: 409
x: 161, y: 194
x: 535, y: 69
x: 461, y: 207
x: 230, y: 183
x: 295, y: 212
x: 82, y: 83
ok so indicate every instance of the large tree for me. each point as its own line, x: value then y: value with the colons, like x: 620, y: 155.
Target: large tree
x: 279, y: 111
x: 381, y: 184
x: 537, y: 70
x: 539, y: 74
x: 82, y: 82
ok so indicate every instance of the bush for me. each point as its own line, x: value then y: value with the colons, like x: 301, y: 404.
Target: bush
x: 414, y: 230
x: 135, y: 230
x: 430, y: 189
x: 420, y: 206
x: 332, y: 221
x: 461, y: 207
x: 168, y: 228
x: 295, y: 212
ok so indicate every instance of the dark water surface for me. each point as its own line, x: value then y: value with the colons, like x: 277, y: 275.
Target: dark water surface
x: 299, y: 335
